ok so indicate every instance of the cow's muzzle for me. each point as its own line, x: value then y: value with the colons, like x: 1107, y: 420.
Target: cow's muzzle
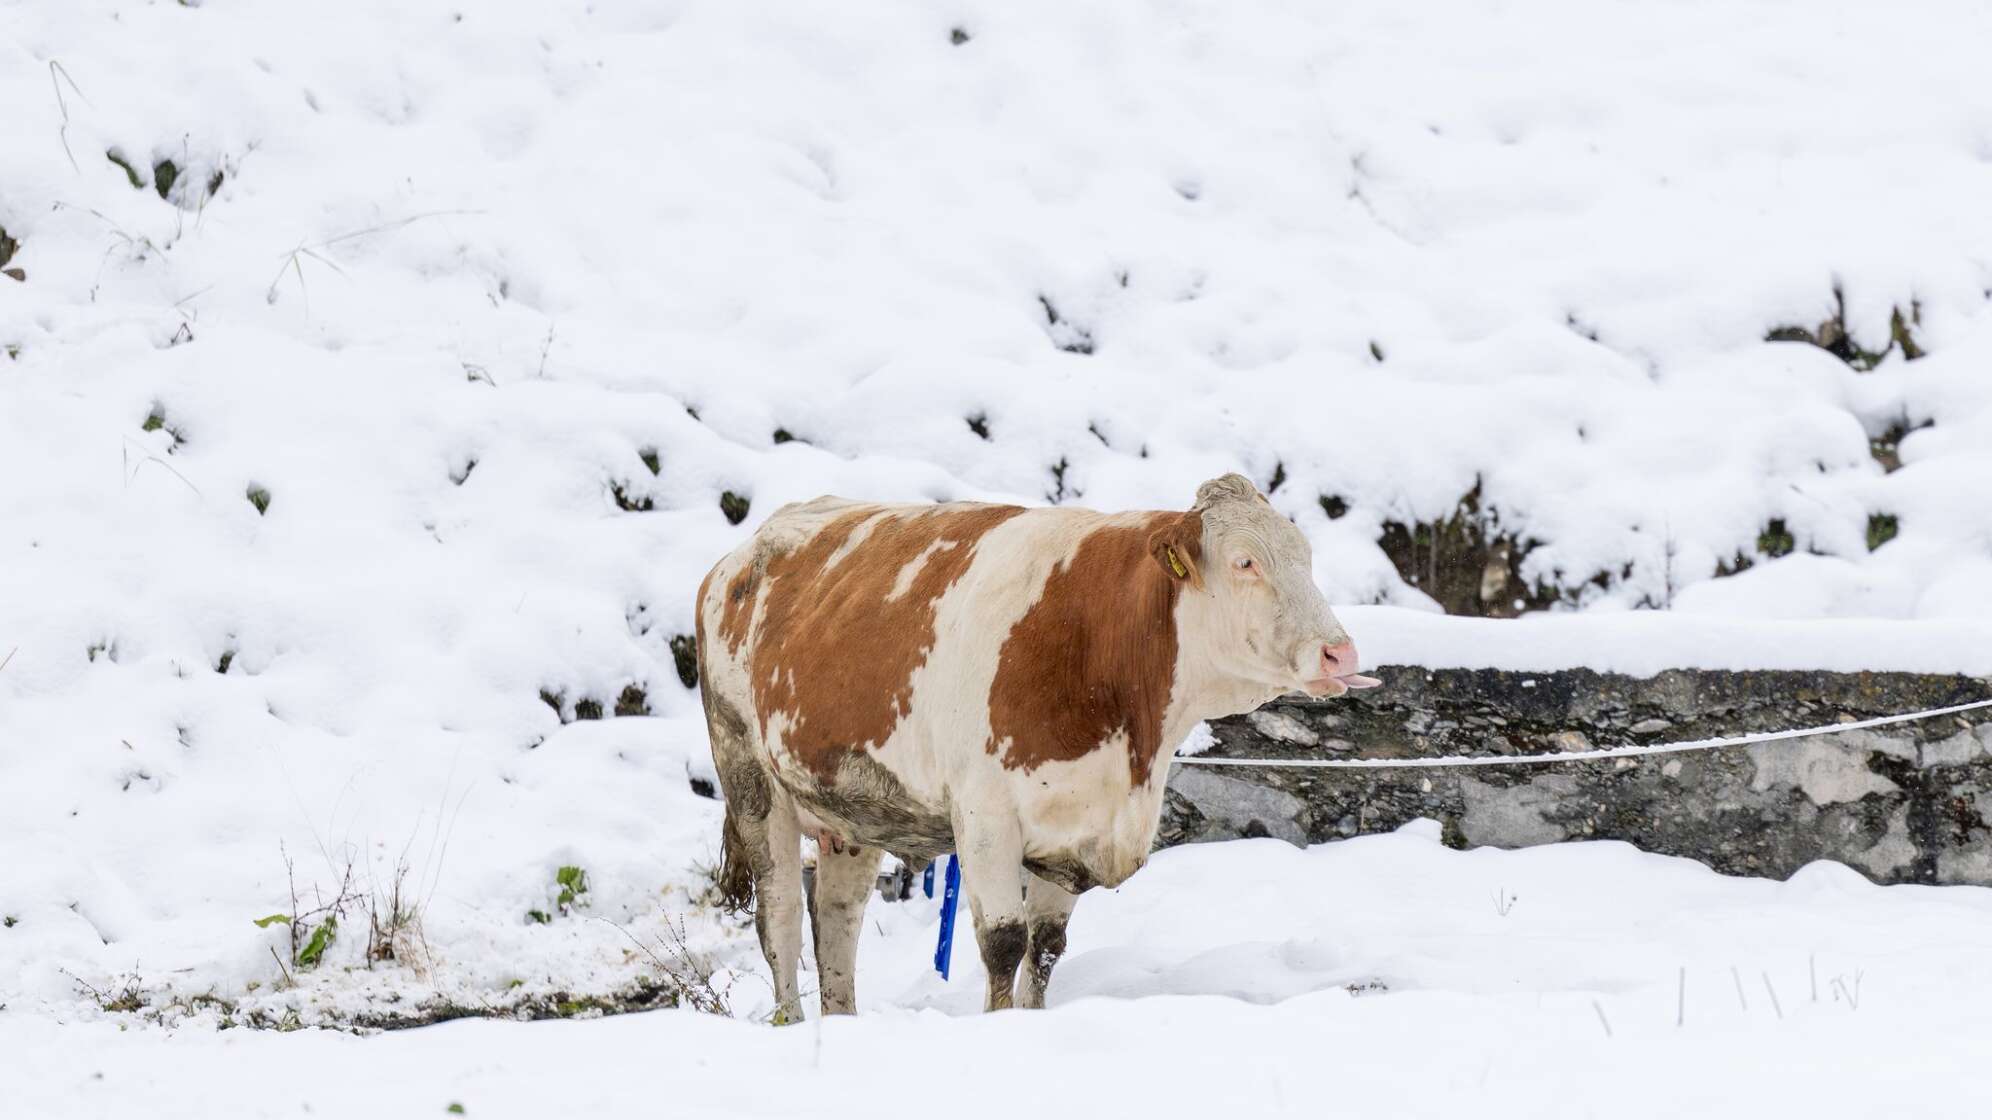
x: 1336, y: 671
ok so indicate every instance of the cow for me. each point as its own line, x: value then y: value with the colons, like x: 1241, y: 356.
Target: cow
x: 1008, y: 684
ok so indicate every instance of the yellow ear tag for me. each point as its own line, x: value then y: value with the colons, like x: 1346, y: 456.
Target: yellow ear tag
x: 1176, y: 565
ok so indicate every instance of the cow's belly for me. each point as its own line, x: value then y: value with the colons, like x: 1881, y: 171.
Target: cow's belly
x: 870, y: 805
x: 1081, y: 824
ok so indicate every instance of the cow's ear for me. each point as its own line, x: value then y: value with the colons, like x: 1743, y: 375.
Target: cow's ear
x: 1178, y: 547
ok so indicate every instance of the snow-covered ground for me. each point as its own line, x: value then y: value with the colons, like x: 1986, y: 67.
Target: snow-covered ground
x: 1385, y: 975
x: 341, y: 476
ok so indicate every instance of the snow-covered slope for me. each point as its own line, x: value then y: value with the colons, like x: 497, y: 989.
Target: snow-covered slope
x: 340, y: 475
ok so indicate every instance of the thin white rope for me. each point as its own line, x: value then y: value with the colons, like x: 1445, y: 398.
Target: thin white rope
x: 1581, y: 756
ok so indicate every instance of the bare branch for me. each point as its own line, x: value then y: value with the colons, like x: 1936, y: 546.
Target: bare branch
x: 57, y: 74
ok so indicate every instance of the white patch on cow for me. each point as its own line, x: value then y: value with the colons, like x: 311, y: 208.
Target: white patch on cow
x: 857, y: 537
x: 911, y: 571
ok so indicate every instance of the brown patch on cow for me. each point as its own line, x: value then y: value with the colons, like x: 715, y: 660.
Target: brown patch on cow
x: 835, y: 649
x: 737, y: 610
x: 1096, y: 654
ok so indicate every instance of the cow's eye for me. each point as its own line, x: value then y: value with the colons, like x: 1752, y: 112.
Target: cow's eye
x: 1244, y: 563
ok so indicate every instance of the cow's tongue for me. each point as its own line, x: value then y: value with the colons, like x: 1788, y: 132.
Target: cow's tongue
x: 1356, y: 680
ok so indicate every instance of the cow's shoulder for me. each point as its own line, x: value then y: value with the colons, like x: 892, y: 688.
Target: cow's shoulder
x: 1093, y: 658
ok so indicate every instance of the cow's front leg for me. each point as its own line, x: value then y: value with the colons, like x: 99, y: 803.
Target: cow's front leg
x: 1047, y: 907
x: 992, y: 872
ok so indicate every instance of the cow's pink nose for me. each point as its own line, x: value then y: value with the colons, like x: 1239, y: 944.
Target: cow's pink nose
x: 1338, y: 660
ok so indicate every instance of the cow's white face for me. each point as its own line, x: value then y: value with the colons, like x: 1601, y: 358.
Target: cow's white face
x: 1268, y: 623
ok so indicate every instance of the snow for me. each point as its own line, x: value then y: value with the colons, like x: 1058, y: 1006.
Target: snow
x: 465, y: 265
x: 1643, y: 643
x: 1383, y: 975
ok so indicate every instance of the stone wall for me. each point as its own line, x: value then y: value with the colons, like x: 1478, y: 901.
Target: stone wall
x: 1905, y: 803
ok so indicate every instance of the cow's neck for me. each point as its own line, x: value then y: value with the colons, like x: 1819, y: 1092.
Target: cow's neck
x: 1205, y: 689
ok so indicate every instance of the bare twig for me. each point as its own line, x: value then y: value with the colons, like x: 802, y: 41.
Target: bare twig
x: 1738, y: 977
x: 1852, y: 992
x: 1602, y: 1021
x: 1681, y: 1000
x: 690, y: 972
x: 148, y: 457
x: 288, y: 982
x: 303, y: 923
x: 439, y: 857
x: 9, y: 657
x: 393, y: 923
x: 57, y: 74
x: 131, y: 241
x: 396, y: 224
x: 292, y: 263
x: 1775, y: 1005
x: 122, y: 994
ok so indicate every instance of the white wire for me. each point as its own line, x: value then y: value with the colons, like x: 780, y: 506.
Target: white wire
x: 1580, y: 756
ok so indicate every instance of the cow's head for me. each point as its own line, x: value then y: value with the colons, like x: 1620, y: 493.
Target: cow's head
x: 1267, y: 622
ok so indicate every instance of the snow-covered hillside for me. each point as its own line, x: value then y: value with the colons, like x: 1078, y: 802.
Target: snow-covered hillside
x: 380, y: 378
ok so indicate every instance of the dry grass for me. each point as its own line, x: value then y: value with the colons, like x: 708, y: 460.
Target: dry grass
x: 688, y: 970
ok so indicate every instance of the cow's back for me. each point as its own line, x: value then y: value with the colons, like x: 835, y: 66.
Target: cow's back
x: 815, y: 628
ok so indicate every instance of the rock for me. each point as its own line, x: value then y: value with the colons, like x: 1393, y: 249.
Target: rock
x: 1893, y: 851
x: 1899, y: 803
x: 1957, y: 750
x: 1569, y: 741
x: 1282, y: 728
x: 1248, y: 807
x: 1825, y: 772
x: 1514, y: 817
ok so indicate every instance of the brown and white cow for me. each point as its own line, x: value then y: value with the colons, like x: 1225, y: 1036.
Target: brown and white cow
x: 1001, y: 682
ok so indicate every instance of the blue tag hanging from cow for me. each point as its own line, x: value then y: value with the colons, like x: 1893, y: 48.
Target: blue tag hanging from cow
x: 950, y: 896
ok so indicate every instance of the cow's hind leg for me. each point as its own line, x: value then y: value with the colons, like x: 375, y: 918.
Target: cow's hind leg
x: 844, y: 882
x: 774, y: 849
x: 1047, y: 907
x: 992, y: 874
x: 761, y: 846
